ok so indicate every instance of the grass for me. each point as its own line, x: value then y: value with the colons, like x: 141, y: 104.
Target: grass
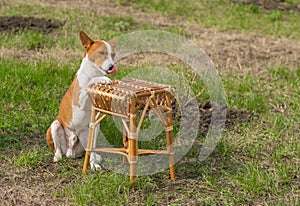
x: 269, y: 146
x: 224, y: 15
x: 30, y: 159
x: 255, y: 163
x: 89, y: 189
x: 247, y: 93
x: 29, y: 83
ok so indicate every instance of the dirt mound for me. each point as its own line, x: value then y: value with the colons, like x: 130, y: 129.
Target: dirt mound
x: 271, y: 5
x: 16, y: 23
x: 233, y: 117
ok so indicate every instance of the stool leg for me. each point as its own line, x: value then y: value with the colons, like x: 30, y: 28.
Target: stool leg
x: 132, y: 170
x: 132, y: 158
x: 125, y: 143
x: 132, y: 143
x: 169, y: 136
x: 171, y: 156
x: 90, y: 141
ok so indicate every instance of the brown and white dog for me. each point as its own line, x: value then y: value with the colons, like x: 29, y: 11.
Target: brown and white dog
x: 68, y: 134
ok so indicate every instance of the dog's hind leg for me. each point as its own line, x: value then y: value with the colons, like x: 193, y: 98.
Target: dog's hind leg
x: 50, y: 139
x: 58, y: 134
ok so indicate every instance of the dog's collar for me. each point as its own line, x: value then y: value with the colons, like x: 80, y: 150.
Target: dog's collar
x: 101, y: 69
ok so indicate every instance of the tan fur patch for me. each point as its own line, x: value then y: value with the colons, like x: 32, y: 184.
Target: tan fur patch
x: 97, y: 53
x: 76, y: 92
x: 65, y: 108
x: 50, y: 139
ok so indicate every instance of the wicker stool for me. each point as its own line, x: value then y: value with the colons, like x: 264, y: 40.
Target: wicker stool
x: 125, y: 98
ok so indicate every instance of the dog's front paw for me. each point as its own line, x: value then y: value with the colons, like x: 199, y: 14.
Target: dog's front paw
x: 95, y: 166
x: 57, y: 156
x: 95, y: 161
x: 102, y: 80
x: 105, y: 80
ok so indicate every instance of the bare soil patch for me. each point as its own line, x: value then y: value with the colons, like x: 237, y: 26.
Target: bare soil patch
x: 16, y: 23
x: 22, y: 185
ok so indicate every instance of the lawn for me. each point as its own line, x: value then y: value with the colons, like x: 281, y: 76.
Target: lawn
x: 256, y: 51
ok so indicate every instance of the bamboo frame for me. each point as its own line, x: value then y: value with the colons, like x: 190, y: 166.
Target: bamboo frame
x: 90, y: 140
x: 124, y: 99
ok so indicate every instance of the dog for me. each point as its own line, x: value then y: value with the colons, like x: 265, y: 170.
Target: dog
x: 68, y: 133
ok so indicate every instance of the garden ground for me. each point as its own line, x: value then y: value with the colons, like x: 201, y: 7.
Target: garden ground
x: 255, y: 163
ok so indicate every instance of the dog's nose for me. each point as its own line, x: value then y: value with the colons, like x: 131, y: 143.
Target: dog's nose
x: 111, y: 67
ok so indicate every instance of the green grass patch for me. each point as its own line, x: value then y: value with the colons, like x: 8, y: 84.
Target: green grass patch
x: 245, y: 92
x: 281, y: 89
x: 31, y: 158
x: 107, y: 188
x: 223, y: 14
x: 29, y: 39
x: 27, y: 103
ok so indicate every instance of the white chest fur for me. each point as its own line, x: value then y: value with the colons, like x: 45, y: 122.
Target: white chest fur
x: 87, y: 74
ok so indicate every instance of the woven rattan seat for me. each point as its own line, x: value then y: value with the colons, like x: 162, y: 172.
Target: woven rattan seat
x: 125, y: 98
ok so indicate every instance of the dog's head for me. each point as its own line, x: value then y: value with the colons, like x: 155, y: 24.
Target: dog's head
x: 100, y: 52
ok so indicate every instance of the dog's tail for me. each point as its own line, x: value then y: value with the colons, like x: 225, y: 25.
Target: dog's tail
x: 50, y: 140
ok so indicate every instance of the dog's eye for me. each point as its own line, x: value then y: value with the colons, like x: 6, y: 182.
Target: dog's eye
x: 102, y: 52
x: 113, y: 55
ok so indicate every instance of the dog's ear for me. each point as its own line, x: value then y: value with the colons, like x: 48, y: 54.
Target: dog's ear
x: 85, y: 40
x: 113, y: 43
